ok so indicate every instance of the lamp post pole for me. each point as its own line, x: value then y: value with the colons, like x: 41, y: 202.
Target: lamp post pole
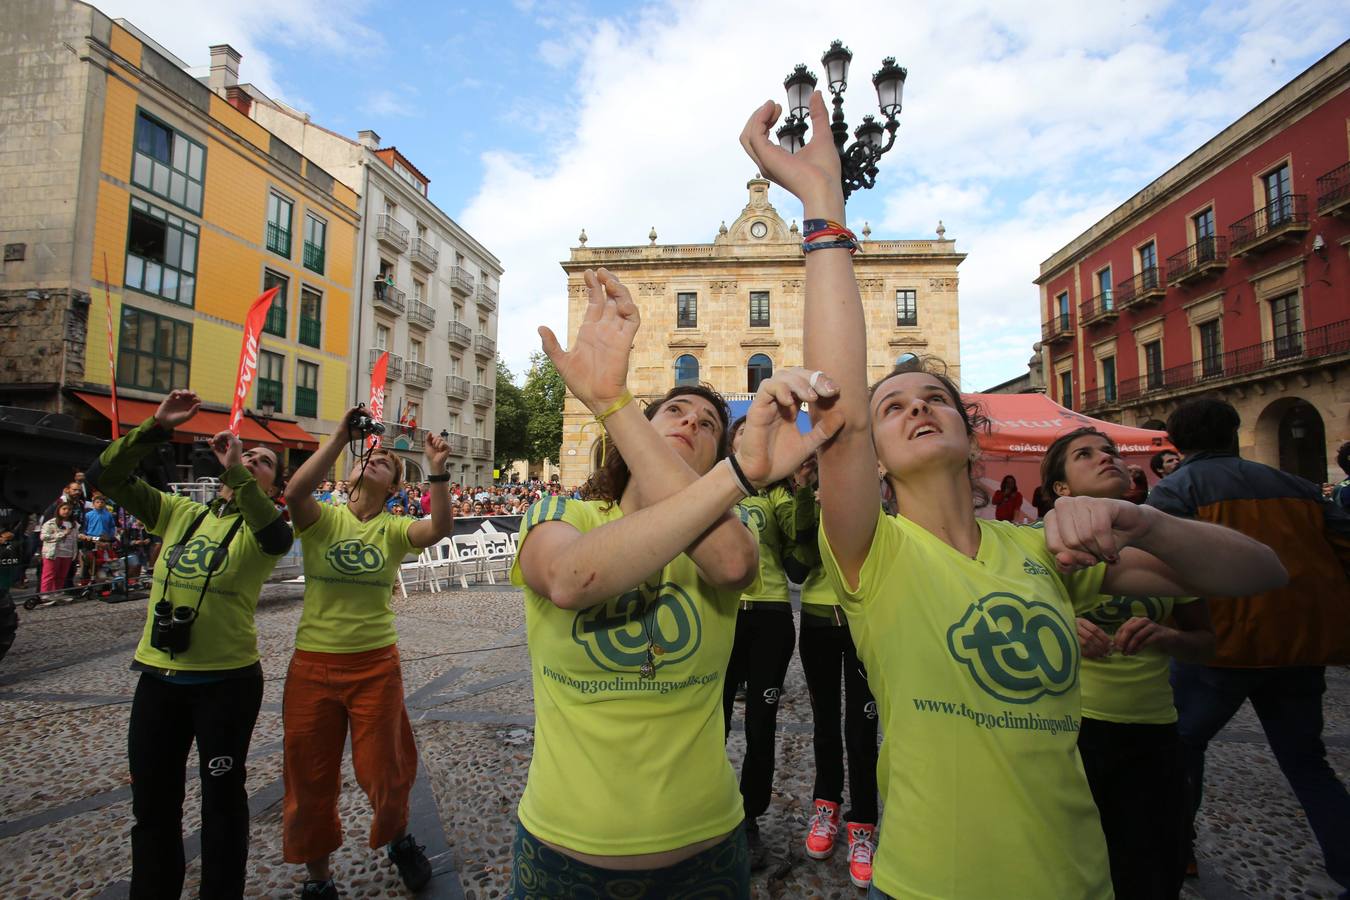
x: 872, y: 139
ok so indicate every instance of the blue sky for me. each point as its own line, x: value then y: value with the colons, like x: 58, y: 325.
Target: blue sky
x: 1025, y: 120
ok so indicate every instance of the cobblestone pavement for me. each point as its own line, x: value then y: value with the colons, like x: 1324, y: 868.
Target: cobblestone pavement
x: 65, y: 806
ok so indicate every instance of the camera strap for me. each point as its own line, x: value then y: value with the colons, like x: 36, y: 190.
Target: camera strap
x: 212, y: 565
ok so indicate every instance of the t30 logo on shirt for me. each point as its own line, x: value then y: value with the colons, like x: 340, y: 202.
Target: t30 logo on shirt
x: 753, y: 517
x: 1118, y: 610
x: 1016, y: 650
x: 355, y: 557
x: 195, y: 558
x: 616, y: 634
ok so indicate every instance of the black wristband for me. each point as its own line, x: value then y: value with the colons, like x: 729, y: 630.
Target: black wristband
x: 745, y: 484
x: 444, y: 476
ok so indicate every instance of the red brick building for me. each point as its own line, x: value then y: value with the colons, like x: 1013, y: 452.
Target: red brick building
x: 1229, y: 274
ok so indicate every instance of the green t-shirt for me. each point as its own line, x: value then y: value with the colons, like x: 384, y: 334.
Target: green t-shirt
x: 769, y: 516
x: 974, y: 665
x: 223, y: 636
x: 1129, y: 689
x: 624, y: 765
x: 350, y: 570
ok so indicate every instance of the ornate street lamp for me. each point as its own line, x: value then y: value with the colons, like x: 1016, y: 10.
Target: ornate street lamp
x: 872, y: 138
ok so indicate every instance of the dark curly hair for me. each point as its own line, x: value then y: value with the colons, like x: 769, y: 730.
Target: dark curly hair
x: 972, y: 414
x: 608, y: 482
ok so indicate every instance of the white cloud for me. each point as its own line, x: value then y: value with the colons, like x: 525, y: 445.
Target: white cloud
x: 1025, y: 121
x: 390, y: 103
x: 188, y: 27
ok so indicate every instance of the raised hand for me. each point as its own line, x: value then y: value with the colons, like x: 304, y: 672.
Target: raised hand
x: 438, y: 452
x: 1083, y: 531
x: 595, y: 369
x: 227, y: 447
x: 771, y: 446
x: 812, y: 174
x: 177, y: 408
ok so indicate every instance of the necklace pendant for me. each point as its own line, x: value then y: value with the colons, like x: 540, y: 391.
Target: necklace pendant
x: 647, y: 671
x: 658, y: 649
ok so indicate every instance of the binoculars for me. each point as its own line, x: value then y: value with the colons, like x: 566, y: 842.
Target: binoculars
x: 172, y: 629
x: 364, y: 424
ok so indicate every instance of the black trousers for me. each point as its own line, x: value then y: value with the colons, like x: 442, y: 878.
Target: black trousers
x: 1136, y: 779
x: 165, y: 719
x: 759, y: 657
x: 826, y: 649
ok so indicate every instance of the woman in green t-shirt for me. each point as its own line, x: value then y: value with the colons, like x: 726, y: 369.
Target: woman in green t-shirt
x: 345, y: 675
x: 1128, y: 739
x: 964, y: 624
x: 630, y: 610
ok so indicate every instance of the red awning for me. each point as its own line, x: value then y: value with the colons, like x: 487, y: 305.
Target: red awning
x: 1024, y: 425
x: 203, y: 426
x: 293, y: 436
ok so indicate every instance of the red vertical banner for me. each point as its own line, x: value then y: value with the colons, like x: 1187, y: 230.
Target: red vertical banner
x: 248, y: 355
x: 112, y: 354
x: 376, y: 405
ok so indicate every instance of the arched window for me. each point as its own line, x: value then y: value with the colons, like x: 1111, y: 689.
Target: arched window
x: 758, y: 369
x: 686, y: 370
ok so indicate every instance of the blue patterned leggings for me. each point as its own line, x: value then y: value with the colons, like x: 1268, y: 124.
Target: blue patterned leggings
x: 722, y: 872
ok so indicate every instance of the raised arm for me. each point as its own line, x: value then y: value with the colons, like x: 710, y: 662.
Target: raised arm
x: 300, y: 489
x: 260, y: 514
x: 1152, y: 553
x: 577, y: 570
x: 595, y: 369
x: 427, y: 531
x: 833, y: 328
x: 114, y: 472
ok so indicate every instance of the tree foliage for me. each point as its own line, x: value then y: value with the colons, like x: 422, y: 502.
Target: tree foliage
x: 543, y: 394
x: 510, y: 438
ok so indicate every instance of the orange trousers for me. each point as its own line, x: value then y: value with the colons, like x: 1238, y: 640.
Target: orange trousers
x: 326, y: 692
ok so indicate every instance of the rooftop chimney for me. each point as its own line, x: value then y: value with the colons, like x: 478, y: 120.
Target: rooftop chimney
x: 369, y: 139
x: 224, y: 68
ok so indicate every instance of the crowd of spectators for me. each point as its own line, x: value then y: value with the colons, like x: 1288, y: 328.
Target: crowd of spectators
x: 413, y: 499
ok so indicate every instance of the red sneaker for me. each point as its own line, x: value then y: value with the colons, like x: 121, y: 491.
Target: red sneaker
x: 824, y: 826
x: 861, y: 846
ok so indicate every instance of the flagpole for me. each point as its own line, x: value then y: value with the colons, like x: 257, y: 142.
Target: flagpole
x: 112, y: 356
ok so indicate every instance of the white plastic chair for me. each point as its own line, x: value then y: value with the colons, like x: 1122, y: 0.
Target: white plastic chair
x: 500, y: 553
x: 472, y: 558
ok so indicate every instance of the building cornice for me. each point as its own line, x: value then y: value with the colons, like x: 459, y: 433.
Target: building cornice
x: 1328, y: 76
x: 697, y: 255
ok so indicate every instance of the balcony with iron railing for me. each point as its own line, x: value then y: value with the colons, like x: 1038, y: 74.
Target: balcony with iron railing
x: 389, y: 298
x: 459, y: 444
x: 421, y: 315
x: 1099, y: 398
x: 404, y: 437
x: 1200, y: 260
x: 1333, y: 192
x: 1285, y: 219
x: 423, y: 255
x: 314, y: 257
x: 482, y: 448
x: 484, y: 345
x: 482, y: 395
x: 1058, y: 329
x: 389, y: 232
x: 1098, y: 310
x: 279, y: 240
x: 1146, y: 287
x: 1288, y: 351
x: 417, y: 374
x: 456, y: 387
x: 311, y: 331
x: 395, y: 370
x: 487, y: 297
x: 460, y: 335
x: 461, y: 280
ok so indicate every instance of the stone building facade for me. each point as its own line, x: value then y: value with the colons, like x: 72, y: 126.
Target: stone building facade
x: 427, y: 294
x: 1229, y: 275
x: 136, y: 191
x: 730, y: 312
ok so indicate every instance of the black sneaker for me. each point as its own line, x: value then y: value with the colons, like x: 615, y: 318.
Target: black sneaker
x: 412, y: 862
x: 319, y: 890
x: 759, y: 854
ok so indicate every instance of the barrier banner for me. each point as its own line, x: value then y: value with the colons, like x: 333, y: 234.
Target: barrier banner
x: 471, y: 524
x: 376, y: 404
x: 248, y: 355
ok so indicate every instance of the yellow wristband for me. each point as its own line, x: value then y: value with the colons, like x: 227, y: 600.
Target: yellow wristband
x: 617, y: 405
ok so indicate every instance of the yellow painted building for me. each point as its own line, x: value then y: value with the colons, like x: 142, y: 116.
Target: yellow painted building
x: 185, y: 210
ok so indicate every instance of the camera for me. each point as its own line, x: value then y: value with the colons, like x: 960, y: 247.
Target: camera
x: 172, y: 629
x: 366, y: 425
